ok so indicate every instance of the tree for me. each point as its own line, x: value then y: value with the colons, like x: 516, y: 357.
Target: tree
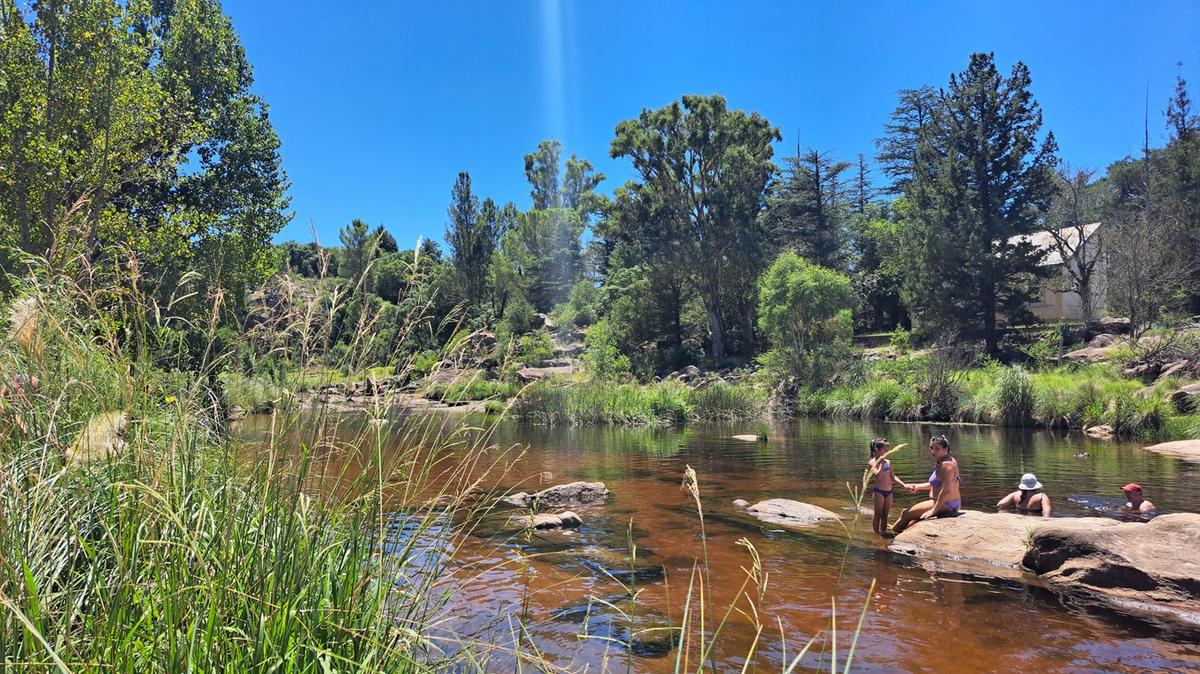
x: 384, y: 241
x: 471, y: 235
x: 978, y: 180
x: 1075, y: 206
x: 804, y: 309
x: 541, y: 169
x: 358, y: 247
x: 702, y: 171
x: 1181, y: 188
x: 898, y: 149
x: 806, y: 208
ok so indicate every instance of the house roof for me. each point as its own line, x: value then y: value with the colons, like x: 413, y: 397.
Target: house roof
x: 1044, y: 241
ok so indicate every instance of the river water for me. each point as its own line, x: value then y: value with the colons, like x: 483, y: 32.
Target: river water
x: 536, y: 589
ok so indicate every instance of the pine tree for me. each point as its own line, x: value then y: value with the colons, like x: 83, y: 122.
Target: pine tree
x: 806, y: 208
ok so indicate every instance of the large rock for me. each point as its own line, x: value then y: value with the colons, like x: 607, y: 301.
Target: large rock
x: 562, y: 496
x: 973, y: 542
x: 103, y: 437
x: 1151, y: 569
x: 1188, y: 450
x: 1187, y: 398
x: 1102, y: 432
x: 789, y: 513
x: 530, y: 374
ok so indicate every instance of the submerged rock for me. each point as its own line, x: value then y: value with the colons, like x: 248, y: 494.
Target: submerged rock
x: 1103, y: 432
x: 563, y: 520
x: 1188, y: 450
x: 741, y: 503
x: 1150, y: 569
x: 641, y: 629
x: 747, y: 438
x: 617, y: 564
x: 562, y: 496
x: 103, y: 437
x: 786, y: 512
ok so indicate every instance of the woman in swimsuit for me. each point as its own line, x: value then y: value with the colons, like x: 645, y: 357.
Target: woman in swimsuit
x: 944, y: 496
x: 885, y: 481
x: 1029, y: 497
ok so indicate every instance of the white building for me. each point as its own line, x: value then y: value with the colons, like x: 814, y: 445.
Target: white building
x: 1058, y: 301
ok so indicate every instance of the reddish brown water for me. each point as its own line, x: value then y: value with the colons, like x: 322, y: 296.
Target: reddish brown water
x: 515, y: 587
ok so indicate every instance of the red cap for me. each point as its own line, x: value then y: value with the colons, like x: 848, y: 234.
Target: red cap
x: 1132, y: 486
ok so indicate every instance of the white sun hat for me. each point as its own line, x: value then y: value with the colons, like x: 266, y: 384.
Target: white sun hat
x: 1029, y: 481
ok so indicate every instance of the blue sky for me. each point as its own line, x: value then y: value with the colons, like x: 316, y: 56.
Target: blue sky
x: 379, y: 105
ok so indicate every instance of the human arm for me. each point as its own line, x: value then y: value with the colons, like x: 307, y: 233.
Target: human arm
x: 943, y: 474
x: 875, y: 466
x: 1007, y: 501
x: 1045, y: 505
x: 900, y: 483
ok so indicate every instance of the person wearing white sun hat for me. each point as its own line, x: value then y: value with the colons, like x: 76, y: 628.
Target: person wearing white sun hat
x: 1029, y: 497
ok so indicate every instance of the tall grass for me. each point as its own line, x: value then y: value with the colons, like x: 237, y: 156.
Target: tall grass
x: 662, y: 404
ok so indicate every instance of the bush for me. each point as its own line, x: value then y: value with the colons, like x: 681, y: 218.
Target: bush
x: 1014, y: 398
x: 901, y: 340
x: 583, y: 306
x: 1045, y: 351
x: 804, y: 310
x: 535, y: 347
x: 601, y: 358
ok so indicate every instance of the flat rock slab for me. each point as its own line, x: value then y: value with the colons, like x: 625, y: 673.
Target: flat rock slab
x: 788, y: 513
x: 973, y: 542
x: 746, y: 438
x: 562, y: 496
x: 1188, y: 450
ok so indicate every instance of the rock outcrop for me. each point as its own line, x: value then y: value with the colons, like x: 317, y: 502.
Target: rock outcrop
x: 1187, y: 398
x: 1151, y: 569
x: 972, y: 542
x: 562, y: 496
x: 1188, y: 450
x: 788, y: 513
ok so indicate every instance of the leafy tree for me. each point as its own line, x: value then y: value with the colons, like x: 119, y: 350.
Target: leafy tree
x: 804, y: 309
x: 545, y: 249
x: 983, y: 181
x: 602, y: 356
x: 541, y: 169
x: 384, y: 241
x: 702, y: 171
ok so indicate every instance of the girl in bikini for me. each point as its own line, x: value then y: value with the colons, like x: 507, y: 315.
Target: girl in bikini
x: 885, y: 481
x: 944, y: 496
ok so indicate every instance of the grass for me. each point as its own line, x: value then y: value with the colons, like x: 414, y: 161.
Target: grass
x: 661, y: 404
x: 1063, y: 397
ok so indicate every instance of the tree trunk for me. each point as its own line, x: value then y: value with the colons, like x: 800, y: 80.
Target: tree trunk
x: 716, y: 327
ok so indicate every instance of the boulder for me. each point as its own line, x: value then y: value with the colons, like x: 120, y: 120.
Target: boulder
x: 103, y: 437
x: 1173, y: 368
x: 746, y: 438
x: 1148, y: 569
x: 1102, y: 432
x: 1111, y: 325
x: 542, y: 521
x: 741, y: 503
x: 1088, y: 354
x: 1188, y: 450
x: 789, y: 513
x: 562, y: 496
x: 1102, y: 340
x: 1187, y: 398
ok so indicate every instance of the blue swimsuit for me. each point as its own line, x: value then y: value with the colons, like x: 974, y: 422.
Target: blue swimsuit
x: 886, y: 467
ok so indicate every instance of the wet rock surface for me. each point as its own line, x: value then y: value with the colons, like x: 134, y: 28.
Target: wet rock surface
x: 541, y: 521
x: 1151, y: 569
x: 569, y: 495
x: 972, y: 542
x: 788, y: 513
x: 641, y: 629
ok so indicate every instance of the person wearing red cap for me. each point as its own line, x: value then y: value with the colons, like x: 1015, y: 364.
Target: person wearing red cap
x: 1133, y: 492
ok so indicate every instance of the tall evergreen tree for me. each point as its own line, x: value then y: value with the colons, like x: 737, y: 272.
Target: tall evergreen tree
x: 542, y: 171
x: 471, y: 236
x: 982, y: 181
x: 806, y: 208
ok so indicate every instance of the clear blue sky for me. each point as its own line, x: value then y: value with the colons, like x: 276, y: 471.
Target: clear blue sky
x: 380, y: 104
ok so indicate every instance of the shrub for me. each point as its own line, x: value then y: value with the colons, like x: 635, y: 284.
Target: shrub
x: 602, y: 359
x: 804, y: 310
x: 1014, y: 398
x: 582, y: 307
x: 1045, y: 350
x: 721, y: 400
x: 535, y: 347
x: 901, y: 340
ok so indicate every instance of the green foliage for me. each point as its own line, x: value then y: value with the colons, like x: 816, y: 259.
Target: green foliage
x: 976, y: 175
x: 602, y: 359
x: 804, y: 311
x: 1046, y: 350
x: 667, y: 403
x: 583, y: 306
x: 901, y: 340
x: 1014, y: 398
x: 702, y: 170
x: 535, y: 347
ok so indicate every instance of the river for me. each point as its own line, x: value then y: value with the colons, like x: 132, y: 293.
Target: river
x: 537, y: 588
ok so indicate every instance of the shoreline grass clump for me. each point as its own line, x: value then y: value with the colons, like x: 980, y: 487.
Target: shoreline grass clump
x: 661, y: 404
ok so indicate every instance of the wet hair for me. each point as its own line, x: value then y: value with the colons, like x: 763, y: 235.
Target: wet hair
x: 942, y: 441
x: 877, y: 444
